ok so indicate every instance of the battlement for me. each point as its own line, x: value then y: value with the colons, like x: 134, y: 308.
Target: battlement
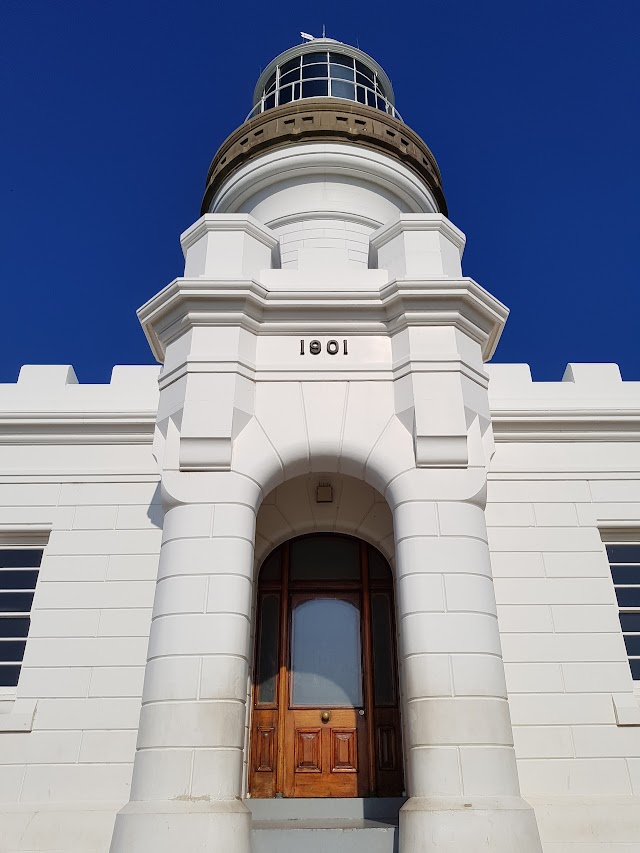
x: 600, y: 384
x: 55, y: 388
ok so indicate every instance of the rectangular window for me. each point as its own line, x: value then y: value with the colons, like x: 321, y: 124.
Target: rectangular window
x: 18, y: 576
x: 624, y: 559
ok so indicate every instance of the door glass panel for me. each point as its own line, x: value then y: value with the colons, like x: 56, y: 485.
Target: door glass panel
x: 270, y: 570
x: 378, y: 566
x: 383, y: 675
x: 325, y: 653
x: 268, y: 649
x: 325, y: 558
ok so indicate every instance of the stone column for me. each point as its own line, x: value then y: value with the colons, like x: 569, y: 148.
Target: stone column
x: 461, y: 768
x: 187, y: 779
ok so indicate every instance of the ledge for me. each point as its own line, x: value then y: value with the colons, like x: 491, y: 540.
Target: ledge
x: 21, y: 721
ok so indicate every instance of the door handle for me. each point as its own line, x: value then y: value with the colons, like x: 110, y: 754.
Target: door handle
x: 361, y: 712
x: 325, y: 716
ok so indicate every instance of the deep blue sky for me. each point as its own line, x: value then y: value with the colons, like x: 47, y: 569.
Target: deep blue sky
x: 111, y: 113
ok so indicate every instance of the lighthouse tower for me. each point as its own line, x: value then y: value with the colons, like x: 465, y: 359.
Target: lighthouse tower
x: 324, y: 644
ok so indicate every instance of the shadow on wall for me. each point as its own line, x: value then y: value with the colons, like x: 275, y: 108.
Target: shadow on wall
x: 155, y: 513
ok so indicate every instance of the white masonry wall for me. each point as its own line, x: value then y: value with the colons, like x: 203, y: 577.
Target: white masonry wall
x: 77, y: 472
x: 565, y: 474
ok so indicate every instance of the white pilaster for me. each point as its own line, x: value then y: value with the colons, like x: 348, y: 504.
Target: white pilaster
x: 187, y: 782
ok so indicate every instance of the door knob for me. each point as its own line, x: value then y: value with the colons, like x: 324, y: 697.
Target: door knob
x: 325, y: 716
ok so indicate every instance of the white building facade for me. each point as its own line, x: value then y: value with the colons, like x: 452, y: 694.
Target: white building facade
x: 325, y: 580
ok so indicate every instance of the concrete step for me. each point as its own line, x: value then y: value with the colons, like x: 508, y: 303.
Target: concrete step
x: 384, y: 809
x: 324, y: 836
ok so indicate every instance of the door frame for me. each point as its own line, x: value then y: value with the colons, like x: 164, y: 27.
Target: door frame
x: 268, y: 721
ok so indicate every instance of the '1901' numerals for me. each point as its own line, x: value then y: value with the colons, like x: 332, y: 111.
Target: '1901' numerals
x: 332, y: 347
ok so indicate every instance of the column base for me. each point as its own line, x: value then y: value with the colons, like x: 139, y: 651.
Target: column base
x: 167, y: 827
x: 459, y: 825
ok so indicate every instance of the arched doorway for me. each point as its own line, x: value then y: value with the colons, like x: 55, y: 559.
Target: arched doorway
x: 325, y: 719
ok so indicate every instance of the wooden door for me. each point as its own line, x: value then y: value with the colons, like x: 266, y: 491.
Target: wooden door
x: 325, y: 731
x: 325, y: 717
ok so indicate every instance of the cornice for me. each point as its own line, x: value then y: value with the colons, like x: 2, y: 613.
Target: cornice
x: 418, y: 222
x: 77, y: 427
x: 187, y: 303
x: 229, y: 222
x: 566, y: 425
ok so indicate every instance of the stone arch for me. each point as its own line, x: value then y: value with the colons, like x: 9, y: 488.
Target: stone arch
x: 291, y: 509
x: 347, y: 428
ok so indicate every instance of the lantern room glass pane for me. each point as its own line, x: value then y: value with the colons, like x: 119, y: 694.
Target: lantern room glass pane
x: 341, y: 73
x: 289, y: 66
x: 342, y: 89
x: 362, y: 69
x: 311, y: 71
x: 325, y: 654
x: 315, y: 88
x: 291, y: 77
x: 286, y: 94
x: 341, y: 59
x: 325, y: 558
x: 310, y: 58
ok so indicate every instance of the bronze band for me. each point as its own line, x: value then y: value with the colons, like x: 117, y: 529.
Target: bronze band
x: 324, y: 120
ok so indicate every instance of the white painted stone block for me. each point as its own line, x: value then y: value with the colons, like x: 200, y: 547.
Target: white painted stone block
x: 54, y: 682
x: 512, y: 564
x: 509, y: 515
x: 199, y: 634
x: 172, y: 679
x: 590, y: 617
x: 11, y: 777
x: 216, y: 773
x: 550, y: 777
x: 609, y: 677
x: 470, y: 593
x: 579, y: 565
x: 162, y: 774
x: 436, y: 772
x: 125, y: 622
x: 87, y: 714
x: 37, y: 747
x: 418, y: 518
x: 121, y: 681
x: 561, y: 709
x: 455, y: 721
x: 191, y: 724
x: 76, y: 782
x: 223, y: 678
x: 427, y: 675
x: 488, y: 769
x: 113, y: 747
x: 132, y: 567
x: 181, y: 594
x: 543, y: 741
x: 526, y: 618
x: 478, y: 675
x: 443, y: 633
x: 95, y: 517
x: 555, y: 515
